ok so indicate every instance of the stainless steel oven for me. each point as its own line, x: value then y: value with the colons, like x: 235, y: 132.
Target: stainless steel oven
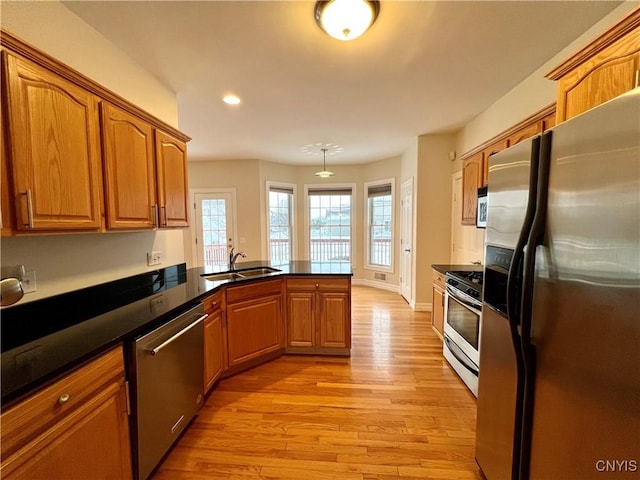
x: 463, y: 316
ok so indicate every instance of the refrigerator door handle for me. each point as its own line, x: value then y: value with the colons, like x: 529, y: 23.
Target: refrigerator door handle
x: 536, y: 237
x: 514, y: 292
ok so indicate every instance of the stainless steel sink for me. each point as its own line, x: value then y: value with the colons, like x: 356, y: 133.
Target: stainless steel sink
x: 237, y: 274
x: 223, y: 276
x: 254, y: 272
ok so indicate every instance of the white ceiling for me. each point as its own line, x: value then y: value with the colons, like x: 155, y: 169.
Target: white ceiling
x: 424, y: 67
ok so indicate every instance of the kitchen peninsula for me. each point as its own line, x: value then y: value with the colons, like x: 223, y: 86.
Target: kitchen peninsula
x: 84, y: 336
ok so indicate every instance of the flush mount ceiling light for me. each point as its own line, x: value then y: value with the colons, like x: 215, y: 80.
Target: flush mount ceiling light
x: 346, y: 19
x: 324, y: 173
x: 231, y: 99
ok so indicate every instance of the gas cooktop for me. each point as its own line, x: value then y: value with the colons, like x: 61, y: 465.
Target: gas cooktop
x: 466, y: 281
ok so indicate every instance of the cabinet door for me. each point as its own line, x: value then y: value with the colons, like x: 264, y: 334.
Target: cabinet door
x: 437, y: 310
x: 609, y: 73
x: 486, y: 157
x: 171, y: 155
x: 471, y: 180
x: 301, y: 319
x: 91, y: 442
x: 526, y: 132
x: 6, y: 213
x: 55, y: 149
x: 213, y: 349
x: 334, y: 320
x: 129, y: 170
x: 254, y: 328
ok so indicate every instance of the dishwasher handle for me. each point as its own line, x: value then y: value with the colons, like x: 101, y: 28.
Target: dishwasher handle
x: 154, y: 351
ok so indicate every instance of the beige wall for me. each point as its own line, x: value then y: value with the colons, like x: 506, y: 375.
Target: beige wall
x: 68, y: 262
x: 433, y: 213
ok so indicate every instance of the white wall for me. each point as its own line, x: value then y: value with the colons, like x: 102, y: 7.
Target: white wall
x: 67, y: 262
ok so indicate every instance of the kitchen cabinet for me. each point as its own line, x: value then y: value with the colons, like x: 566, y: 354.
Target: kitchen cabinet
x: 472, y: 176
x: 318, y: 313
x: 255, y: 327
x: 171, y: 156
x: 129, y: 170
x: 145, y: 173
x: 494, y: 148
x: 77, y: 427
x: 437, y: 305
x: 214, y: 336
x: 607, y: 67
x: 7, y: 220
x: 526, y: 132
x: 54, y: 145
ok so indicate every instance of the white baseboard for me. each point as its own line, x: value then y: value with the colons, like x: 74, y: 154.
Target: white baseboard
x: 375, y: 284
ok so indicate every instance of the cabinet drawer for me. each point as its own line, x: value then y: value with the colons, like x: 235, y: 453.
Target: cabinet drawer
x: 22, y: 422
x: 438, y: 278
x: 308, y: 284
x: 214, y: 302
x: 251, y: 290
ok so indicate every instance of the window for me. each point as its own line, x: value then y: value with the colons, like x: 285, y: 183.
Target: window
x: 280, y: 205
x: 215, y: 231
x: 329, y: 224
x: 380, y: 224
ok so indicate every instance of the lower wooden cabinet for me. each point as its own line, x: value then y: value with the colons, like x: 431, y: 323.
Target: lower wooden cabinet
x: 255, y: 327
x: 214, y: 339
x: 437, y: 305
x: 76, y: 428
x: 319, y: 315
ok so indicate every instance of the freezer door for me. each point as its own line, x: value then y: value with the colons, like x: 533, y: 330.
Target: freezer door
x: 508, y: 194
x: 496, y: 397
x: 586, y: 310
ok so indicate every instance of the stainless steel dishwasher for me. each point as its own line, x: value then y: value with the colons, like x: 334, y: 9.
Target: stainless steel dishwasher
x: 166, y: 370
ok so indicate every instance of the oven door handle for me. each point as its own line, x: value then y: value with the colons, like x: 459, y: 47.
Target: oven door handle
x: 460, y: 357
x: 464, y: 299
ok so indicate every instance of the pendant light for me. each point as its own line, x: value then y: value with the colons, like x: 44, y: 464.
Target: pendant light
x: 324, y: 173
x: 346, y: 19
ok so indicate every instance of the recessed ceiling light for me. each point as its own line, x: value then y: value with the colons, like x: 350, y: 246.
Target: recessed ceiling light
x: 231, y: 99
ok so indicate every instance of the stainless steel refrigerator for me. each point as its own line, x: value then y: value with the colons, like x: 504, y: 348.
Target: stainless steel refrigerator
x: 559, y: 384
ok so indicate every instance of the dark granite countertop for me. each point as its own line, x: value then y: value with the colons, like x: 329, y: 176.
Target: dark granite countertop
x: 43, y: 339
x: 451, y: 268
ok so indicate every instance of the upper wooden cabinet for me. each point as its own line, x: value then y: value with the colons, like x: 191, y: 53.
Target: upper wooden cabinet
x: 55, y: 149
x: 172, y: 180
x: 472, y: 176
x: 486, y: 154
x: 604, y: 69
x: 129, y: 170
x: 63, y: 134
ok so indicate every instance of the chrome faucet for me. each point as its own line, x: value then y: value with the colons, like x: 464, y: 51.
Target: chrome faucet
x: 233, y: 257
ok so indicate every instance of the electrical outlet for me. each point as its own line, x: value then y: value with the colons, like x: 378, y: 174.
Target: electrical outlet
x: 29, y: 282
x: 153, y: 258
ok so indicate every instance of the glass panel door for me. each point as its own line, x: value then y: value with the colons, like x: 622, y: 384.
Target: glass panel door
x: 214, y: 218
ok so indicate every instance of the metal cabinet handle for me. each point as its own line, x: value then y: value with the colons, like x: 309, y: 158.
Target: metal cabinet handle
x: 29, y: 208
x: 317, y: 285
x: 155, y: 351
x: 637, y: 83
x: 163, y: 219
x: 64, y: 398
x: 154, y: 214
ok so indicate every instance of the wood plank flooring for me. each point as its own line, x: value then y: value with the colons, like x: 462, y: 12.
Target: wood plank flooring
x: 393, y: 411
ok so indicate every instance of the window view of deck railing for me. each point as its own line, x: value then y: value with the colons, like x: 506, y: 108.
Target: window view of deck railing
x: 280, y: 223
x: 330, y: 225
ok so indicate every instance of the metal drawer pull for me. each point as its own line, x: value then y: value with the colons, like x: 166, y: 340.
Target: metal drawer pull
x: 317, y: 285
x: 64, y: 398
x: 179, y: 334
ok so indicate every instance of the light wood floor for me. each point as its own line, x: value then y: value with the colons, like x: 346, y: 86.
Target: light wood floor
x: 394, y: 410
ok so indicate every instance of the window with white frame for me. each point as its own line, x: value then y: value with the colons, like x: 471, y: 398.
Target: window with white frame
x: 280, y: 217
x: 329, y: 218
x: 380, y: 224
